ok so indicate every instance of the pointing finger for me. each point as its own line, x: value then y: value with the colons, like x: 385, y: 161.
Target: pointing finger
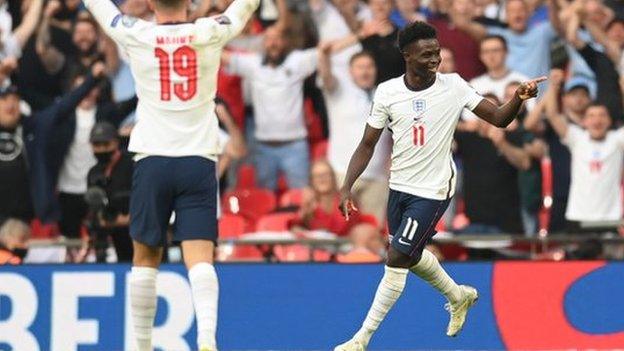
x: 539, y: 79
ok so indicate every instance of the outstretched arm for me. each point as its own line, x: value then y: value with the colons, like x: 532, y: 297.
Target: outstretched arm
x: 558, y: 121
x: 29, y: 23
x: 357, y: 165
x: 503, y: 115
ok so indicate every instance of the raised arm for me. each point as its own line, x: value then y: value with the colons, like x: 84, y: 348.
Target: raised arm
x: 557, y: 120
x: 51, y: 58
x: 503, y: 115
x: 324, y: 67
x: 553, y: 15
x: 29, y: 23
x: 284, y: 16
x: 476, y: 30
x: 104, y: 11
x: 238, y: 13
x: 359, y: 161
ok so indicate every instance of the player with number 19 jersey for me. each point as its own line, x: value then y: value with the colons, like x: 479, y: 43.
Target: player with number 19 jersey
x: 422, y: 125
x: 175, y: 68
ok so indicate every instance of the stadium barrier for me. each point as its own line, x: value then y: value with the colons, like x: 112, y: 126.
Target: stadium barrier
x: 523, y: 305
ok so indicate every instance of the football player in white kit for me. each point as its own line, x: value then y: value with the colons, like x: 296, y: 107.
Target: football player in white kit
x: 174, y: 64
x: 421, y: 109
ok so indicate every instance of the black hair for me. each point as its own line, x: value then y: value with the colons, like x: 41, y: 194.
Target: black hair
x: 614, y: 21
x: 497, y: 37
x: 363, y: 53
x: 415, y: 31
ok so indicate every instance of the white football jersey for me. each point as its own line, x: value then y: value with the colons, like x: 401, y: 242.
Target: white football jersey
x: 422, y: 125
x: 596, y: 175
x: 175, y: 70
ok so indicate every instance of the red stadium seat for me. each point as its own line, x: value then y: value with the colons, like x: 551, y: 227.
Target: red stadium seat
x: 246, y: 177
x: 249, y: 203
x: 275, y: 221
x: 292, y: 197
x: 232, y: 226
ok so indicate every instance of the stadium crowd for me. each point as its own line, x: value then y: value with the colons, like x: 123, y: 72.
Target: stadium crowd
x: 294, y: 92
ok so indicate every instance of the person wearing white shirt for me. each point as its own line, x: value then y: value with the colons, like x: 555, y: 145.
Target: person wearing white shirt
x: 597, y: 164
x: 348, y: 101
x: 174, y: 62
x: 276, y: 79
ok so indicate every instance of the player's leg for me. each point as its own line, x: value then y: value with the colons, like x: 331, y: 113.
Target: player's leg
x: 392, y: 283
x: 196, y: 227
x: 150, y: 209
x: 425, y: 214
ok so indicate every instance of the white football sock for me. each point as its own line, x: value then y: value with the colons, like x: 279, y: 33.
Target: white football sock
x: 430, y: 270
x: 143, y: 305
x: 205, y: 287
x: 388, y: 291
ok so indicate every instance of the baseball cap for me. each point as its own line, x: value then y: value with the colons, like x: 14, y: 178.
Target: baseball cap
x: 103, y: 132
x: 11, y: 89
x: 576, y: 83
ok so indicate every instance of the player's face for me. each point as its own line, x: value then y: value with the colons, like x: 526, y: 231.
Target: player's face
x: 576, y: 100
x: 322, y: 178
x: 597, y: 122
x: 274, y: 43
x: 423, y: 58
x: 85, y: 36
x: 9, y: 111
x: 492, y: 54
x: 380, y: 9
x: 517, y: 15
x: 616, y: 33
x: 447, y: 65
x: 364, y: 72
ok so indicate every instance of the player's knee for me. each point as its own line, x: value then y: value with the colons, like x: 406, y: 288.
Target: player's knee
x: 397, y: 259
x: 197, y: 251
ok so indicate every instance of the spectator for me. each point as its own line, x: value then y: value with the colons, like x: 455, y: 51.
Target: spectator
x: 529, y: 180
x: 408, y: 11
x: 493, y: 54
x: 276, y: 80
x: 459, y: 41
x: 113, y: 174
x: 491, y: 159
x: 348, y: 101
x: 15, y: 181
x: 529, y: 47
x: 574, y: 102
x: 319, y: 209
x: 73, y: 137
x: 362, y: 249
x: 14, y: 235
x: 85, y: 37
x: 607, y: 76
x: 597, y: 156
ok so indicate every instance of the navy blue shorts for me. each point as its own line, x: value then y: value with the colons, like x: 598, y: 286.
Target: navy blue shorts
x: 186, y: 185
x: 412, y: 221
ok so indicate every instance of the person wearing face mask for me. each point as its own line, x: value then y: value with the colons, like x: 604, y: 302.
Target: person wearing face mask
x: 113, y: 174
x: 14, y: 235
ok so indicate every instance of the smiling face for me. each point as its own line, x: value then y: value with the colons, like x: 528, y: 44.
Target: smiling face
x: 322, y: 178
x: 363, y: 71
x: 422, y: 58
x: 274, y: 43
x: 597, y: 121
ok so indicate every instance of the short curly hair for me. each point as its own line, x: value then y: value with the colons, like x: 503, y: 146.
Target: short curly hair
x: 415, y: 31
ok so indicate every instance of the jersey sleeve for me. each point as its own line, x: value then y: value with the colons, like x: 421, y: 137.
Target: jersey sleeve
x: 466, y: 95
x: 573, y: 135
x: 112, y: 21
x: 379, y: 113
x: 220, y: 29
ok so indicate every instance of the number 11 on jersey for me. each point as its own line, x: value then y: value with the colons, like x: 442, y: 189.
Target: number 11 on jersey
x: 184, y: 65
x: 419, y: 134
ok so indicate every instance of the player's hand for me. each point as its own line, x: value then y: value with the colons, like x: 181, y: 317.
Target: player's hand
x: 347, y: 205
x: 52, y: 7
x: 98, y: 69
x: 528, y: 90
